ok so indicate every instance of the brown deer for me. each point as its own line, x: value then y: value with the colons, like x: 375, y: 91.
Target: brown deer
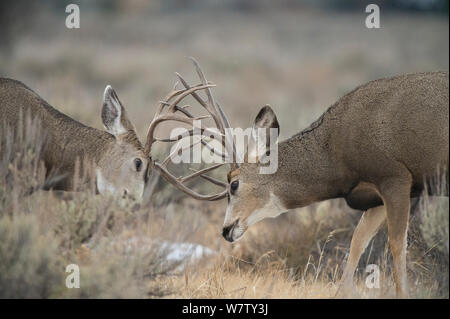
x: 377, y: 147
x: 122, y: 165
x: 120, y: 161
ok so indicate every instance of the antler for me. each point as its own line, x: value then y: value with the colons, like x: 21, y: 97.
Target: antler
x: 169, y: 110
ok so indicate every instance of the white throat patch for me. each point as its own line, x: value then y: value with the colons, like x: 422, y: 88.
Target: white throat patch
x: 272, y: 209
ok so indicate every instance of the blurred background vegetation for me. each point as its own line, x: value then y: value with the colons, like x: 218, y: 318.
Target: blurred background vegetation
x: 298, y: 56
x: 294, y: 55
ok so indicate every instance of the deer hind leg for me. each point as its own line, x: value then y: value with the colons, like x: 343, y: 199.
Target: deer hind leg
x: 368, y: 226
x: 396, y: 197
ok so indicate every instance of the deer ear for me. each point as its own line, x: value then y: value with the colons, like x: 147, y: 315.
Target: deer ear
x: 264, y: 128
x: 114, y: 116
x: 266, y: 118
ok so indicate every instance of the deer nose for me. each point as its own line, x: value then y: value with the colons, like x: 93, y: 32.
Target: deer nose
x: 227, y: 231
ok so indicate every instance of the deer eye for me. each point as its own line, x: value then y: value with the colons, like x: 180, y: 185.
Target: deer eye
x: 138, y: 164
x: 234, y: 186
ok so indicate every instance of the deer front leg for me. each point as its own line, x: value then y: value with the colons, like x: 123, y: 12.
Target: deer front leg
x: 367, y: 227
x: 396, y: 197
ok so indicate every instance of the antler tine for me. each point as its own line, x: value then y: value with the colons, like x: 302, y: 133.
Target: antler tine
x: 189, y: 92
x: 176, y: 92
x: 235, y: 163
x: 224, y: 120
x: 211, y: 110
x: 202, y: 77
x: 181, y: 109
x: 174, y: 181
x: 215, y: 110
x: 214, y: 180
x: 215, y: 151
x: 201, y: 132
x: 170, y: 110
x: 211, y: 179
x: 171, y: 95
x: 200, y: 172
x: 167, y: 117
x: 178, y: 150
x: 191, y: 145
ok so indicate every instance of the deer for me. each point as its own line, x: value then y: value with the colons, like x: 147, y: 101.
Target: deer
x: 122, y: 165
x: 118, y: 156
x: 377, y: 147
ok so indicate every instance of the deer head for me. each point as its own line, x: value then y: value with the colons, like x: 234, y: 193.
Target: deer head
x: 126, y: 166
x: 251, y: 194
x: 122, y: 168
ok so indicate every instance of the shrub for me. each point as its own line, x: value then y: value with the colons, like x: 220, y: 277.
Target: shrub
x: 30, y: 266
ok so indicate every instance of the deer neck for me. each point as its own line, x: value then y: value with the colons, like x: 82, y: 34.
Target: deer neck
x: 308, y: 171
x: 75, y: 142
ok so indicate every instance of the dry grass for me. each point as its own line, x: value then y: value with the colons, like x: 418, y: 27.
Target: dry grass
x: 296, y: 60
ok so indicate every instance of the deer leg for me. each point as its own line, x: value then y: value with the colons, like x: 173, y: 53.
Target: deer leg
x: 396, y: 197
x: 368, y: 226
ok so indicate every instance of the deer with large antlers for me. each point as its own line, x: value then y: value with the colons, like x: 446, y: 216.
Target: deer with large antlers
x: 122, y: 164
x: 377, y: 147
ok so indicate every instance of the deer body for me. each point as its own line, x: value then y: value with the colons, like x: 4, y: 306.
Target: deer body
x: 378, y: 145
x: 361, y: 140
x: 113, y: 152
